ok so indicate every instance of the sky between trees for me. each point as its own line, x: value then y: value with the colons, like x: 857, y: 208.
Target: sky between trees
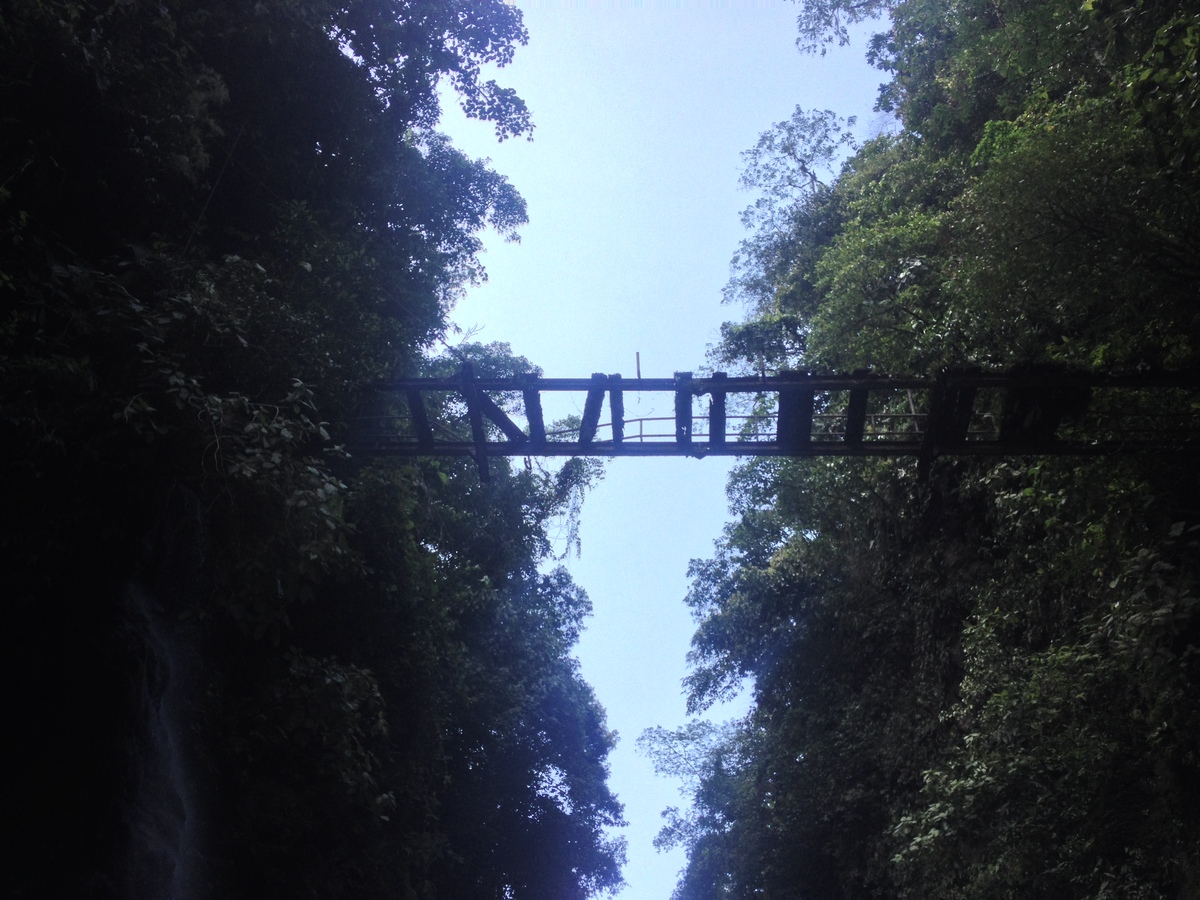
x: 642, y: 114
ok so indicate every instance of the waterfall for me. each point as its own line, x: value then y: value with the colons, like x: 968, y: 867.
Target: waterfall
x: 162, y: 854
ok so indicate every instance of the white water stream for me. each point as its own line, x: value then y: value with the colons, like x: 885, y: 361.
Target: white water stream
x: 162, y: 855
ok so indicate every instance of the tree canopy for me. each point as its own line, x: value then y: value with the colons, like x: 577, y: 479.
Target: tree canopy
x: 220, y: 225
x: 985, y: 684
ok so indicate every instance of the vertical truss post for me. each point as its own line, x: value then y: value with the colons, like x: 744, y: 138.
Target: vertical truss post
x: 950, y: 406
x: 616, y: 406
x: 591, y: 408
x: 958, y: 421
x: 793, y: 430
x: 533, y: 412
x: 475, y: 415
x: 683, y: 408
x: 856, y: 413
x: 420, y: 417
x: 716, y: 411
x: 938, y: 402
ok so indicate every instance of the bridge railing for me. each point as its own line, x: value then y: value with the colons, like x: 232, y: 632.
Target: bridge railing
x: 791, y: 414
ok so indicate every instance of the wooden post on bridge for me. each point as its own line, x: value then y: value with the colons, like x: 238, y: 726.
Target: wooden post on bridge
x: 591, y: 408
x: 948, y: 420
x: 616, y: 406
x: 856, y: 413
x: 683, y: 408
x: 716, y: 412
x: 420, y: 417
x: 793, y: 427
x: 475, y: 415
x: 533, y: 413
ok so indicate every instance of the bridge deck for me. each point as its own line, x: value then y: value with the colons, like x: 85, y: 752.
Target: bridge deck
x: 794, y: 414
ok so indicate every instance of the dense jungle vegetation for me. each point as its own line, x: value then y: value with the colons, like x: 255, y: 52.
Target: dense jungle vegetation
x: 220, y: 223
x: 986, y: 685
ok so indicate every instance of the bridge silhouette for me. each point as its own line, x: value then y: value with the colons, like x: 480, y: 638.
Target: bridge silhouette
x: 795, y: 414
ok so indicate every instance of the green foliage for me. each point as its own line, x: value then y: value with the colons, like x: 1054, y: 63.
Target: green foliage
x: 220, y: 226
x: 785, y: 166
x: 824, y: 22
x: 983, y: 685
x: 711, y: 762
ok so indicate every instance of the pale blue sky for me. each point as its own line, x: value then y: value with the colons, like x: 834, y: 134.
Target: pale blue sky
x: 642, y: 110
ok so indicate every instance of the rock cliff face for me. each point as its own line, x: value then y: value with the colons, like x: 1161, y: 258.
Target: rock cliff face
x: 71, y: 710
x: 106, y: 777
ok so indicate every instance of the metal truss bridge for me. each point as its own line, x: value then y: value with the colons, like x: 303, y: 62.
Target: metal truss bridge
x: 961, y: 413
